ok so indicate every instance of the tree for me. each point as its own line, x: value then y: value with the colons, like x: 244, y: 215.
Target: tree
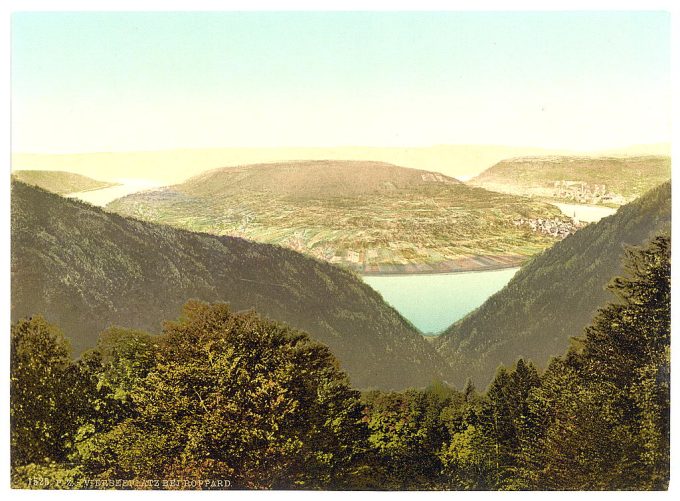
x: 102, y: 384
x: 582, y: 439
x: 628, y: 348
x: 126, y: 355
x: 233, y: 396
x: 406, y: 434
x: 605, y: 406
x: 504, y: 418
x: 39, y: 362
x: 468, y: 460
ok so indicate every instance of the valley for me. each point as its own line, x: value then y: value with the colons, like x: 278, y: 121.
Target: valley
x: 87, y: 270
x: 392, y: 225
x: 366, y: 250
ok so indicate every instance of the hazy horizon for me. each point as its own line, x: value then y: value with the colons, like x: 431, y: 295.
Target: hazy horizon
x: 176, y: 165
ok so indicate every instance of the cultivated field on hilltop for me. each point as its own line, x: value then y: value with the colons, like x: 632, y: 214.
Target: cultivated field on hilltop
x: 371, y: 217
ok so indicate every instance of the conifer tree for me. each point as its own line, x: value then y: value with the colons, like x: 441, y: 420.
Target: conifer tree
x: 605, y: 406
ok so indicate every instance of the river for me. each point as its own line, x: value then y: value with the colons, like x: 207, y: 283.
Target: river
x: 433, y: 302
x: 103, y: 196
x: 585, y: 213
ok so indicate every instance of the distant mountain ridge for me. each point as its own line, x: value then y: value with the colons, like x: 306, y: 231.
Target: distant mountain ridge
x: 371, y: 217
x: 594, y: 180
x: 86, y: 269
x: 177, y: 165
x: 554, y: 296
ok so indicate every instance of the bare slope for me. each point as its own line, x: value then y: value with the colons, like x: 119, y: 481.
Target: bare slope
x: 594, y: 180
x: 312, y: 179
x: 552, y: 298
x: 86, y: 269
x: 60, y: 182
x: 371, y: 217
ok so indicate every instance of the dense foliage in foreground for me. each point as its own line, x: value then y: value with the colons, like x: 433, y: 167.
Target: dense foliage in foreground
x: 254, y: 404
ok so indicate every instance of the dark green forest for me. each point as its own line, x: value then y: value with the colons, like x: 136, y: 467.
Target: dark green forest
x: 553, y: 297
x: 226, y: 399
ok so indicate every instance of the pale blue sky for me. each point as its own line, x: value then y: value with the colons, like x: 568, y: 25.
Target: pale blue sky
x: 116, y: 81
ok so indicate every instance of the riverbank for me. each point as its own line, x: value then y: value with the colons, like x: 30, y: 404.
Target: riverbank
x: 583, y: 212
x: 123, y: 187
x: 460, y: 265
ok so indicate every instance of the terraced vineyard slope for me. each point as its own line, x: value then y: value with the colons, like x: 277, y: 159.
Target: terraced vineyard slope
x: 371, y: 217
x: 86, y: 269
x: 609, y: 181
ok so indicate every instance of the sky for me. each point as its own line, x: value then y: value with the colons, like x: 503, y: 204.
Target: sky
x: 92, y: 81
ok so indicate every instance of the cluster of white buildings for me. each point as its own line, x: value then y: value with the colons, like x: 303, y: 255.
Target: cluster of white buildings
x: 585, y: 193
x: 553, y: 227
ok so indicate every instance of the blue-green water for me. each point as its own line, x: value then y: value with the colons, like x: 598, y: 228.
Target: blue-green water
x: 433, y: 302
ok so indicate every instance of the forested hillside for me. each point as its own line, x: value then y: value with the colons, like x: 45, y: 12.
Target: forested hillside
x: 552, y: 298
x: 86, y: 269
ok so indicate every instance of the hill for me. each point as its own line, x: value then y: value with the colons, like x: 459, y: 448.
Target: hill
x: 552, y: 298
x: 371, y: 217
x: 594, y: 180
x: 60, y: 182
x: 85, y: 269
x: 329, y: 179
x: 177, y: 165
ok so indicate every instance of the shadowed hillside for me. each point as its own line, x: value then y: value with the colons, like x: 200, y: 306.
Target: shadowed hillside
x: 85, y: 269
x: 59, y: 181
x: 371, y: 217
x: 552, y: 298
